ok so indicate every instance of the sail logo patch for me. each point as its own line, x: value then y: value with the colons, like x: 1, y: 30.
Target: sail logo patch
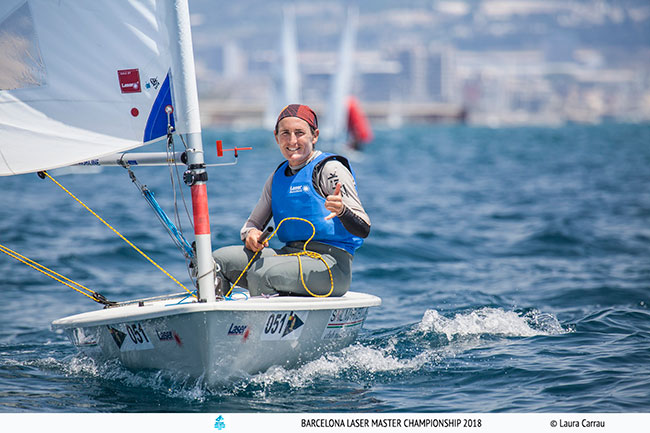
x: 153, y: 82
x: 129, y: 80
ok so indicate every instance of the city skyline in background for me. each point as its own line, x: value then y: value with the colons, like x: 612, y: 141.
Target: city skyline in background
x: 485, y: 62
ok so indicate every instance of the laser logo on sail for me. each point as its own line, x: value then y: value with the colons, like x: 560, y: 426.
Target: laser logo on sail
x: 129, y: 80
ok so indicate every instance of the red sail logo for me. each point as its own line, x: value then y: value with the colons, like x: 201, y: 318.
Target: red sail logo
x: 129, y: 80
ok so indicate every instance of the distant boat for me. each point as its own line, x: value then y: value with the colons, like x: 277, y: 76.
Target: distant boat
x: 359, y: 130
x: 118, y: 76
x: 285, y: 77
x: 347, y: 128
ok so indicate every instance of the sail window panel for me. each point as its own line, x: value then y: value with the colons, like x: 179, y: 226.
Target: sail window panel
x: 22, y: 64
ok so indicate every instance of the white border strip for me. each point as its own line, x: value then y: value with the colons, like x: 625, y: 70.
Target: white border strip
x: 328, y: 422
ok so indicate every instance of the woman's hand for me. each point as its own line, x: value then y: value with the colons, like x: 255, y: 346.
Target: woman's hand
x: 334, y: 203
x: 252, y: 240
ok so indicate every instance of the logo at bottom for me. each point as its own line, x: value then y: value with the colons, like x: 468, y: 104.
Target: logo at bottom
x: 219, y: 424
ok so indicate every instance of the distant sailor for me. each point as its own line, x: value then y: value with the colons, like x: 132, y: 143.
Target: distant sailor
x: 311, y: 185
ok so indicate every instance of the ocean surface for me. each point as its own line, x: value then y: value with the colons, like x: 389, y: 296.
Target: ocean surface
x: 513, y: 265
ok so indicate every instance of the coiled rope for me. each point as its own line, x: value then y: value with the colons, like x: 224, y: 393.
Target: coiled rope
x: 304, y: 252
x: 44, y: 174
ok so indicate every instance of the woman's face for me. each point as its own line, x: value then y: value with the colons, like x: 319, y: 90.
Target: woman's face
x: 296, y: 140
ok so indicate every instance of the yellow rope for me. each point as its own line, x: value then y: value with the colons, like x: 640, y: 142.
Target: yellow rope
x: 304, y: 252
x: 50, y: 273
x: 119, y: 234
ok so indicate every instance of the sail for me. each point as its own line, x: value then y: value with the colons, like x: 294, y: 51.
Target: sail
x: 341, y: 88
x: 81, y: 80
x: 285, y: 88
x: 359, y: 128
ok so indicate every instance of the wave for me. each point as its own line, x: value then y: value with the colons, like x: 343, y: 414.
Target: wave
x: 355, y: 362
x: 113, y: 375
x: 491, y: 321
x: 410, y: 350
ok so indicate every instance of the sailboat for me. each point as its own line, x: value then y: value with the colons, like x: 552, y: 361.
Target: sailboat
x: 347, y: 126
x: 86, y: 82
x: 359, y: 129
x: 285, y: 76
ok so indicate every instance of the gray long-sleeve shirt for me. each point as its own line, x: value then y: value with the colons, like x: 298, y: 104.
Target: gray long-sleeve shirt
x: 354, y: 217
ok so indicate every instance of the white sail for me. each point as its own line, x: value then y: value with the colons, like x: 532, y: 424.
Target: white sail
x: 290, y: 65
x: 341, y: 88
x: 80, y: 80
x: 286, y: 81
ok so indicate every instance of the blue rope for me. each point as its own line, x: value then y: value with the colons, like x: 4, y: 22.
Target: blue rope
x: 193, y: 294
x: 181, y: 241
x: 230, y: 298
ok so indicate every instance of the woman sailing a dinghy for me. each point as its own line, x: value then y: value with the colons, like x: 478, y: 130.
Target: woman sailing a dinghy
x: 310, y: 185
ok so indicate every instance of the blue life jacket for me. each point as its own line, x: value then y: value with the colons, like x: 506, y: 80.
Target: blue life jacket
x: 295, y: 196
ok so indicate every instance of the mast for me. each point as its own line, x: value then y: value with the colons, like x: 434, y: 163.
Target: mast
x: 188, y: 123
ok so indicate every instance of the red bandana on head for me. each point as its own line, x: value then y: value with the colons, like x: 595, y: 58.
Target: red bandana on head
x: 300, y: 111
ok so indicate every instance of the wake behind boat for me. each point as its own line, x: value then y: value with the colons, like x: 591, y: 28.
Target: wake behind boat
x: 133, y: 72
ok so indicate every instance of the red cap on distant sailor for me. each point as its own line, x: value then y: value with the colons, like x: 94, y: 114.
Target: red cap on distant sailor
x: 300, y: 111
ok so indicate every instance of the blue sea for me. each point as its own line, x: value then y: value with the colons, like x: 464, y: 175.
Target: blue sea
x: 513, y: 265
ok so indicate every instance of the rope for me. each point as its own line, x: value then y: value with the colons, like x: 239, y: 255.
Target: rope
x: 168, y: 225
x: 304, y: 252
x: 176, y: 235
x: 97, y: 297
x: 118, y: 233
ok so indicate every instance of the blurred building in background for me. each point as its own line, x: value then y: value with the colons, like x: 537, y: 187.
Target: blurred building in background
x: 488, y: 62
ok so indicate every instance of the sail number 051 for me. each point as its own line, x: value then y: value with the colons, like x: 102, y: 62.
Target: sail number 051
x: 136, y: 333
x: 275, y: 323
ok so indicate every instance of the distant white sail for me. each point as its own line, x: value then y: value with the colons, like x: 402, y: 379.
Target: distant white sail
x: 286, y: 83
x: 84, y: 79
x: 290, y: 63
x: 341, y: 88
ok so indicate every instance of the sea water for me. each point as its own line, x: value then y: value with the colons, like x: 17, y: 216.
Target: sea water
x: 513, y: 264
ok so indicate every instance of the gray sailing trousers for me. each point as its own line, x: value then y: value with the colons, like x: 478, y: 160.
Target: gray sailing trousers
x: 272, y: 273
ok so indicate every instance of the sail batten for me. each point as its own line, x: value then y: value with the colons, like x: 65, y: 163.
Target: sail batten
x: 98, y: 71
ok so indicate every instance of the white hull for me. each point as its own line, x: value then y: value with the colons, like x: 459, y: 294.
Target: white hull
x: 220, y: 340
